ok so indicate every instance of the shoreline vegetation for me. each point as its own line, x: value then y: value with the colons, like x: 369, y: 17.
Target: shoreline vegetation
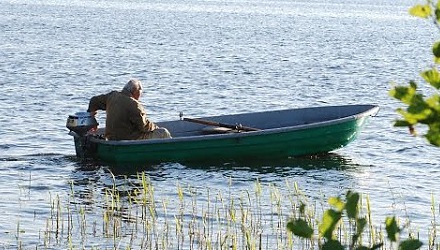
x: 127, y: 215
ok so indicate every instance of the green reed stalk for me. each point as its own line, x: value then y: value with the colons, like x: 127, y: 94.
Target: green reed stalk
x: 46, y: 240
x: 165, y: 241
x: 206, y: 218
x: 372, y: 231
x: 17, y: 236
x: 433, y: 232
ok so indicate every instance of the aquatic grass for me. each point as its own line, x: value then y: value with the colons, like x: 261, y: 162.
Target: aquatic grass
x: 432, y: 243
x: 348, y: 213
x: 129, y: 215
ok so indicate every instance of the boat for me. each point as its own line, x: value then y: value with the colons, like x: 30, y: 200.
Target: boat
x: 258, y: 135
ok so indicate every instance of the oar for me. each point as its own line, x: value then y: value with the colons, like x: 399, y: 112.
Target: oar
x: 218, y: 124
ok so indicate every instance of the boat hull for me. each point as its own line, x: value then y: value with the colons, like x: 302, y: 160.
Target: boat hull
x: 272, y: 145
x: 290, y: 141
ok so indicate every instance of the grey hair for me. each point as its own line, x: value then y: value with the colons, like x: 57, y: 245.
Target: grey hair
x: 133, y: 85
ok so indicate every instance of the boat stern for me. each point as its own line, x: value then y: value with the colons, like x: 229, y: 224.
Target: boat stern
x: 81, y: 125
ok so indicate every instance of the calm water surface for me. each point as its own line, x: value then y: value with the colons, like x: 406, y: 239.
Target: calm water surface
x: 208, y: 58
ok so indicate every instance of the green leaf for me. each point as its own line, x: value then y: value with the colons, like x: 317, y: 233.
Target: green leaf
x: 302, y: 208
x: 330, y: 219
x: 360, y: 225
x: 404, y: 93
x: 337, y: 203
x: 410, y: 245
x: 332, y: 245
x: 433, y: 136
x: 434, y: 102
x: 437, y: 12
x: 299, y: 227
x: 362, y: 248
x: 411, y: 119
x: 352, y: 204
x: 392, y: 229
x: 436, y: 48
x: 419, y: 10
x: 377, y: 246
x: 402, y: 123
x: 418, y: 112
x: 432, y: 76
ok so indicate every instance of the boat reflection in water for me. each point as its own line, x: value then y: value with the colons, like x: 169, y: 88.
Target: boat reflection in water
x: 278, y: 167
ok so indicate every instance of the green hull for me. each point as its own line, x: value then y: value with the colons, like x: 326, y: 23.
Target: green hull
x: 283, y: 144
x: 283, y: 134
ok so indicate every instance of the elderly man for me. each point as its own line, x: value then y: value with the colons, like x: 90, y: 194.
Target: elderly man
x: 126, y: 117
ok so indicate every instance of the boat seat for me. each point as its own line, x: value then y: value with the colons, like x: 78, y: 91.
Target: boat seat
x: 217, y: 130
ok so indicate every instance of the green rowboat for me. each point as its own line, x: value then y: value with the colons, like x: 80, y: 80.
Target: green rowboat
x: 259, y: 135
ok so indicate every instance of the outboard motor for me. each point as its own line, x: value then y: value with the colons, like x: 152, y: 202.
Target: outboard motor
x: 81, y: 123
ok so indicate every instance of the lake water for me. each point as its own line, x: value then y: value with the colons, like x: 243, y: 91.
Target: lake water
x: 207, y: 58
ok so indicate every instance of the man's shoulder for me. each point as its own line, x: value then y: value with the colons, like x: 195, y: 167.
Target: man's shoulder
x: 114, y: 92
x: 123, y: 98
x: 117, y: 94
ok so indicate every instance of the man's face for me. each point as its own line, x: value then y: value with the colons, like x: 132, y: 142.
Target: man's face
x: 137, y: 94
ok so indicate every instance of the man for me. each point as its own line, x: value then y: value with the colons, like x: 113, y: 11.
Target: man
x: 126, y: 117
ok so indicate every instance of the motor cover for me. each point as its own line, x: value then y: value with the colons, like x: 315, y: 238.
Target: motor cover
x: 81, y: 122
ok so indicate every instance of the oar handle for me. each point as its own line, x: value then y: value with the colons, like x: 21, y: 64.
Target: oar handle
x: 218, y: 124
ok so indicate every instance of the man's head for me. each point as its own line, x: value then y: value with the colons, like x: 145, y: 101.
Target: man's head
x: 134, y: 86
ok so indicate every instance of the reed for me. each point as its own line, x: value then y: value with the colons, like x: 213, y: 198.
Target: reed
x: 129, y: 215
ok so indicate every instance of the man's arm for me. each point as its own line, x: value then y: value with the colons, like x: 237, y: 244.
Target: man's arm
x: 141, y: 121
x: 98, y: 102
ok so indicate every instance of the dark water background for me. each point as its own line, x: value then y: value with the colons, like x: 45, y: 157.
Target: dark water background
x: 209, y: 58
